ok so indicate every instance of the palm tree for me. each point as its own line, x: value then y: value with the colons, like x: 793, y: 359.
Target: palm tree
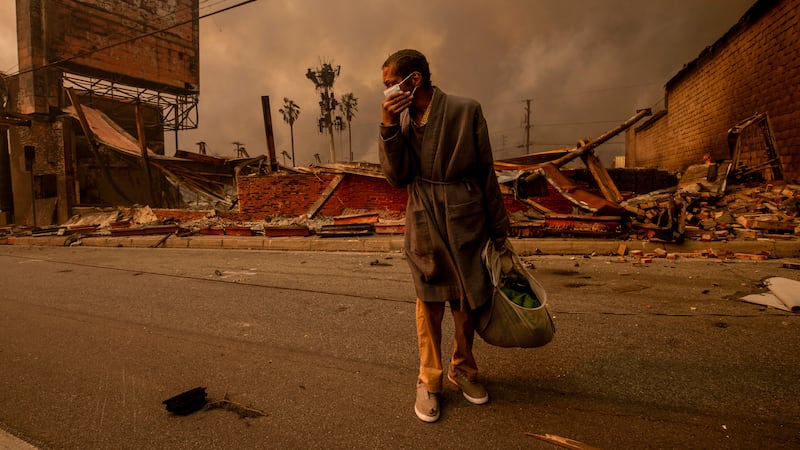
x: 349, y: 106
x: 290, y: 111
x: 338, y: 125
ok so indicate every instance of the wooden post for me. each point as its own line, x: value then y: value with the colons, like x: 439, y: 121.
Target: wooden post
x: 143, y: 147
x: 272, y: 159
x: 607, y: 186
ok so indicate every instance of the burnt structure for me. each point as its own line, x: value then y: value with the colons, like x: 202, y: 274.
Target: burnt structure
x: 99, y: 84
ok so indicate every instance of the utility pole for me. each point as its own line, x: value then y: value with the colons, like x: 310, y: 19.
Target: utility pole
x: 528, y: 126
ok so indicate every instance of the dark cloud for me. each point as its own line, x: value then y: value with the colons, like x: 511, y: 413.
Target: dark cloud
x: 586, y: 64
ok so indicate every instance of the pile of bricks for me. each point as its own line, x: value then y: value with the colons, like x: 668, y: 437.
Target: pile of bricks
x: 657, y: 216
x: 639, y: 257
x: 768, y: 210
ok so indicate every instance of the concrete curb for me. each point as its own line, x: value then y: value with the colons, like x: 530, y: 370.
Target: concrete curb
x: 394, y: 243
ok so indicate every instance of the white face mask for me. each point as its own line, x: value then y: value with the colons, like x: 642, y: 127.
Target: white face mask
x: 396, y: 88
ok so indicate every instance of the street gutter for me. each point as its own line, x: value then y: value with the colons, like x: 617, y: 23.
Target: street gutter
x: 394, y: 243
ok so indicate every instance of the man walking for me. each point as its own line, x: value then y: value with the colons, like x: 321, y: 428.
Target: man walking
x: 437, y: 146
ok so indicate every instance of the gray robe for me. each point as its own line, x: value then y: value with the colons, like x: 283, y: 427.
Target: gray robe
x: 454, y: 201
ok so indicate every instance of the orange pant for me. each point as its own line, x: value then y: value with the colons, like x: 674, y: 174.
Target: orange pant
x: 429, y: 337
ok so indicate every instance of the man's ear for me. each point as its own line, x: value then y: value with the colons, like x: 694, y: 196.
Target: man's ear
x: 418, y: 77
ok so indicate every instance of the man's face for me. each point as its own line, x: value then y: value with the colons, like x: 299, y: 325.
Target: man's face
x: 390, y: 78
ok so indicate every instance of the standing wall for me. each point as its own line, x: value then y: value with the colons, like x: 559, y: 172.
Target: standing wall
x: 754, y: 67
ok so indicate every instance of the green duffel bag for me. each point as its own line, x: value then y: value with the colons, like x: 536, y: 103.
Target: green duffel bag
x: 517, y: 314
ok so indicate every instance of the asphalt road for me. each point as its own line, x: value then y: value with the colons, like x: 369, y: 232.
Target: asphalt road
x: 662, y: 355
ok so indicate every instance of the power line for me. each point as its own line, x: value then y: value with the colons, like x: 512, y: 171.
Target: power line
x: 572, y: 93
x: 202, y: 5
x: 558, y: 124
x: 593, y: 91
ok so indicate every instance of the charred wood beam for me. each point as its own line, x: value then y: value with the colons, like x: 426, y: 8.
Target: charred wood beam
x: 589, y: 147
x: 604, y: 181
x: 272, y: 160
x: 326, y: 194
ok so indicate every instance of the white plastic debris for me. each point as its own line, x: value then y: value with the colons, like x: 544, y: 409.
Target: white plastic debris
x: 784, y: 294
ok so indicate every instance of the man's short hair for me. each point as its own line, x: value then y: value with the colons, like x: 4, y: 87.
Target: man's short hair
x: 407, y: 61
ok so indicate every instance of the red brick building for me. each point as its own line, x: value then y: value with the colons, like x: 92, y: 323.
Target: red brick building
x: 753, y: 68
x: 323, y: 193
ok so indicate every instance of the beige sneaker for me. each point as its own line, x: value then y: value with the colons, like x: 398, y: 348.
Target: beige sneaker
x: 427, y: 405
x: 473, y: 391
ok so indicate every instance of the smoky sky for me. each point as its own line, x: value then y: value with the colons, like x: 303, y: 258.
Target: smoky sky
x: 586, y: 65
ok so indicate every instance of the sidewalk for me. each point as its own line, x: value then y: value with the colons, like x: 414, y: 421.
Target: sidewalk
x: 394, y: 243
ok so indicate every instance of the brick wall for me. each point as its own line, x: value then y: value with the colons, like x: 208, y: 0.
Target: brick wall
x: 169, y: 58
x: 46, y: 138
x: 293, y: 194
x: 281, y: 194
x: 753, y: 68
x: 366, y: 193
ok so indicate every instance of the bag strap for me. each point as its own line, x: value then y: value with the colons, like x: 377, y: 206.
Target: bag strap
x: 493, y: 259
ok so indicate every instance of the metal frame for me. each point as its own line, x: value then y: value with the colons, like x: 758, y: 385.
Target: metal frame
x: 178, y: 112
x: 773, y: 161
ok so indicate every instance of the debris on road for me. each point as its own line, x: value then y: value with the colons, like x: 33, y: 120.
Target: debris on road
x: 784, y: 295
x: 187, y: 402
x: 562, y: 441
x: 243, y: 411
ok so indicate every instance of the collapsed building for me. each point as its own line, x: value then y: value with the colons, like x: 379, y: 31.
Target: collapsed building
x: 84, y: 121
x: 704, y: 167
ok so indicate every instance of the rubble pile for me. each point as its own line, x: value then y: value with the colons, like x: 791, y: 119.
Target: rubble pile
x: 658, y: 215
x: 766, y: 210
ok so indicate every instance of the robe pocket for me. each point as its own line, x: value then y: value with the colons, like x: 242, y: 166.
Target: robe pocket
x: 467, y: 223
x: 423, y: 252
